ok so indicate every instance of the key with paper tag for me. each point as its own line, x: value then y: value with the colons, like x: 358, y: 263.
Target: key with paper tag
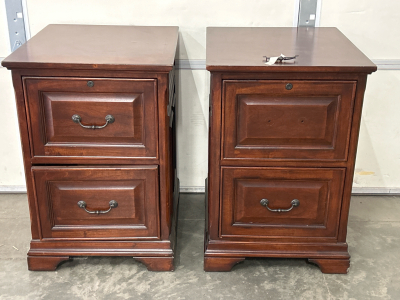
x: 278, y: 59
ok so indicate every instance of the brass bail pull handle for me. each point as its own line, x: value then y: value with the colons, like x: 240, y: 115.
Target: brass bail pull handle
x: 295, y: 203
x: 77, y: 119
x: 112, y: 203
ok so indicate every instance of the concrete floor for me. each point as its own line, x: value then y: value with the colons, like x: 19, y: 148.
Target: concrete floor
x: 373, y: 238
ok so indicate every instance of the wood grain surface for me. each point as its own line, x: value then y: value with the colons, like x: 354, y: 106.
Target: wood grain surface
x: 98, y: 47
x: 319, y: 50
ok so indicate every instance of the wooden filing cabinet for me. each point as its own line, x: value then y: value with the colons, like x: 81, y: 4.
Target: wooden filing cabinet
x: 282, y: 144
x: 96, y: 115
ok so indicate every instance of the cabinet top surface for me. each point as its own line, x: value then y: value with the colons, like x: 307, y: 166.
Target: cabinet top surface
x: 318, y: 49
x: 98, y: 47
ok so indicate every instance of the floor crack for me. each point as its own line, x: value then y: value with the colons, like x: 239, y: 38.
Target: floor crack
x: 326, y: 284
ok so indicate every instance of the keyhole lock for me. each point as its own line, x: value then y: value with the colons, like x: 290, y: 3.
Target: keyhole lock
x: 289, y: 86
x: 90, y: 83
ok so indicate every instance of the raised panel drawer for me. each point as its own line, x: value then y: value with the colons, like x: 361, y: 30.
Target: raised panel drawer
x: 289, y: 120
x: 54, y: 104
x: 246, y: 214
x: 135, y: 190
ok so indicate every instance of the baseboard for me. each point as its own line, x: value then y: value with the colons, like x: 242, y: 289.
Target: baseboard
x: 19, y: 189
x: 375, y: 191
x: 12, y: 189
x: 355, y: 190
x: 190, y: 64
x: 192, y: 189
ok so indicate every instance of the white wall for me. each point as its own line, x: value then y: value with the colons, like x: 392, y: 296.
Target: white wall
x: 11, y: 169
x: 372, y: 26
x: 378, y: 160
x: 4, y: 43
x: 192, y: 128
x: 191, y: 16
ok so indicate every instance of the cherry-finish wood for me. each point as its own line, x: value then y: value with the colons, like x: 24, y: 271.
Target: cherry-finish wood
x: 131, y: 159
x: 318, y: 49
x: 318, y: 192
x: 221, y: 264
x: 264, y: 120
x: 45, y: 263
x: 332, y: 266
x: 51, y: 103
x: 98, y: 47
x: 157, y: 263
x: 59, y: 189
x: 268, y: 141
x: 98, y: 247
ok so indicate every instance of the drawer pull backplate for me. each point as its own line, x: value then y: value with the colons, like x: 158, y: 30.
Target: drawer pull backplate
x: 112, y: 203
x: 265, y: 202
x: 77, y: 119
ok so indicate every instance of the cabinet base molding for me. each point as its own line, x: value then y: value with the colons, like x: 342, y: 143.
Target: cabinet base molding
x: 221, y: 256
x: 45, y: 263
x: 327, y: 266
x: 50, y: 263
x: 331, y: 266
x: 221, y: 264
x: 215, y: 248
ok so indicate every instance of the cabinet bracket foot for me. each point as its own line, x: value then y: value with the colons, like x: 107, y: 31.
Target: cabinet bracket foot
x: 45, y: 263
x: 221, y: 264
x: 331, y: 266
x: 157, y: 263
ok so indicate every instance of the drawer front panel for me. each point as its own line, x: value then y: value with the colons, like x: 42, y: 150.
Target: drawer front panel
x: 63, y: 111
x: 246, y: 213
x: 265, y: 120
x: 60, y: 192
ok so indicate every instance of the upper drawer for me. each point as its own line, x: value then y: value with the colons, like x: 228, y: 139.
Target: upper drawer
x: 63, y: 111
x: 302, y: 120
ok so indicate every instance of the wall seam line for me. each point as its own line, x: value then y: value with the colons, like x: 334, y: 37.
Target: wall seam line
x: 4, y: 189
x: 200, y: 64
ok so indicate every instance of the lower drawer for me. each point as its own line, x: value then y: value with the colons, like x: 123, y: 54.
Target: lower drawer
x: 280, y: 202
x: 98, y: 202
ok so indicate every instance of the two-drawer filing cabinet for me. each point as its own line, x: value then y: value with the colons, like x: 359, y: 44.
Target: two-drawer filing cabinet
x: 96, y: 116
x: 282, y: 144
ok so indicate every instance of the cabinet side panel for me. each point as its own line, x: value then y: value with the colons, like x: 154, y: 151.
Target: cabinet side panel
x: 165, y: 155
x: 24, y: 132
x: 355, y: 129
x: 214, y: 157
